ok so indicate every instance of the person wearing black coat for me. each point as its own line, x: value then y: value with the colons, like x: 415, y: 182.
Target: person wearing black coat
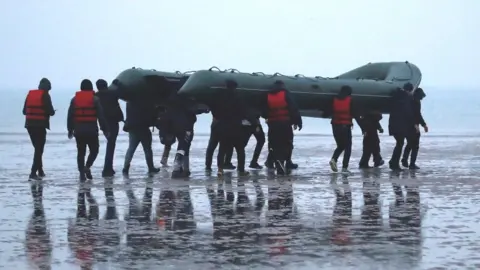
x: 401, y: 124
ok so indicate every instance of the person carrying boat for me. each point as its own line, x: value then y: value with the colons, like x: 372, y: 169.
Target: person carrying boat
x: 281, y: 113
x: 166, y: 138
x: 401, y: 123
x: 212, y: 145
x: 414, y: 144
x: 229, y: 111
x: 84, y: 112
x: 370, y: 125
x: 180, y: 119
x: 140, y: 117
x: 113, y: 115
x: 289, y: 164
x: 342, y: 125
x: 38, y: 109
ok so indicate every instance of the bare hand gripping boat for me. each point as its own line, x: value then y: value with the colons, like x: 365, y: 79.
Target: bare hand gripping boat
x: 372, y: 85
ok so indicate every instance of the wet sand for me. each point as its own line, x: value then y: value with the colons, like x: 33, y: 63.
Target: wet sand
x: 311, y: 220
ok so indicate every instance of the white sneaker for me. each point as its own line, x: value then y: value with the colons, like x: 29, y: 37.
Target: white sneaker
x: 333, y: 165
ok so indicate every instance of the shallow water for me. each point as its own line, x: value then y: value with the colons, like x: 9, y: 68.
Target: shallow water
x: 310, y: 220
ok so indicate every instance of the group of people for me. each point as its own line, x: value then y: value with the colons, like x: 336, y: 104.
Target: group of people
x: 233, y: 124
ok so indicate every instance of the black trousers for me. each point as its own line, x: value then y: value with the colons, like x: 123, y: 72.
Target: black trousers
x: 84, y: 141
x: 371, y: 147
x: 397, y: 150
x: 184, y: 139
x: 38, y: 137
x: 413, y: 145
x: 111, y: 143
x: 212, y: 145
x: 248, y: 131
x: 231, y: 136
x: 280, y: 140
x: 343, y: 138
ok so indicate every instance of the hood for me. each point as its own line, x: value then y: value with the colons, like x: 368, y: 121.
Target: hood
x: 345, y: 91
x: 44, y: 84
x: 102, y: 85
x: 419, y: 94
x: 86, y: 85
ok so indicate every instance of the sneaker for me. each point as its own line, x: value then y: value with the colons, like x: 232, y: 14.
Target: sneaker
x: 394, y: 166
x: 333, y: 165
x: 292, y: 166
x: 153, y: 170
x: 413, y: 167
x: 269, y: 165
x: 108, y: 173
x: 88, y: 173
x: 208, y: 169
x: 164, y: 162
x: 125, y: 171
x: 378, y: 164
x: 33, y: 176
x: 229, y: 166
x: 346, y: 171
x: 255, y: 165
x: 82, y: 176
x: 405, y: 163
x: 243, y: 173
x: 41, y: 173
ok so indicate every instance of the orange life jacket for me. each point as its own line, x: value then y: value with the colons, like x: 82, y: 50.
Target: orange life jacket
x: 341, y: 111
x: 85, y: 107
x: 35, y: 109
x: 278, y: 107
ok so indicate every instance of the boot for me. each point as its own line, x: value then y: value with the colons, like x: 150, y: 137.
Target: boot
x: 125, y: 171
x: 333, y: 165
x: 41, y: 173
x: 404, y: 162
x: 269, y: 162
x: 379, y: 163
x: 33, y: 176
x: 177, y: 166
x: 166, y: 153
x: 290, y: 165
x: 255, y: 165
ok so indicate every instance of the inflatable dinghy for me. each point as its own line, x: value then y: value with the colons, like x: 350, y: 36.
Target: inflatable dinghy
x: 372, y: 86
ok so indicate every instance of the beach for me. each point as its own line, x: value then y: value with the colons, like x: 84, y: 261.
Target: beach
x: 446, y: 221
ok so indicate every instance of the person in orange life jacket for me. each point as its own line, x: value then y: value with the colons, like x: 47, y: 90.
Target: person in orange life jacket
x: 281, y: 112
x: 37, y: 110
x: 289, y: 164
x: 370, y: 125
x: 342, y: 127
x: 113, y: 115
x: 229, y: 110
x: 84, y: 112
x: 414, y: 144
x: 401, y: 122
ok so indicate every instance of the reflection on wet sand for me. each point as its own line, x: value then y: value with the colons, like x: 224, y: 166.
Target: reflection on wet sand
x: 82, y: 233
x: 38, y: 245
x: 342, y: 212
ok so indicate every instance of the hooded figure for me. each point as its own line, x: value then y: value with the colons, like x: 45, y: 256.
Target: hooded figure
x: 401, y: 123
x: 281, y: 113
x: 414, y: 144
x: 84, y: 112
x: 113, y: 115
x: 37, y: 110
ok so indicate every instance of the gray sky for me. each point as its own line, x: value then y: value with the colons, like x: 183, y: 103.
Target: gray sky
x: 67, y: 40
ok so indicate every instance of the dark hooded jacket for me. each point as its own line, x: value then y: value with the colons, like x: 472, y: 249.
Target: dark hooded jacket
x: 418, y: 95
x: 140, y: 115
x: 109, y: 101
x: 47, y: 103
x: 295, y: 117
x: 402, y: 116
x: 86, y: 128
x: 370, y: 123
x: 180, y: 115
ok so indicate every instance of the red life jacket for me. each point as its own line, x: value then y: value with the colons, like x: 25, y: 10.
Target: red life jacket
x: 278, y: 107
x: 341, y: 111
x: 35, y: 109
x: 85, y: 107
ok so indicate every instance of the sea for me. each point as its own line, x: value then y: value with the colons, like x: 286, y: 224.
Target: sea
x: 313, y: 219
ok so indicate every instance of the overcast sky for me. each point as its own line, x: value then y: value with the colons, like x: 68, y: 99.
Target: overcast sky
x: 68, y: 40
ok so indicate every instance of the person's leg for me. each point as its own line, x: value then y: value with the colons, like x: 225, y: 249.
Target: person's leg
x: 146, y: 141
x: 93, y: 147
x: 375, y: 147
x: 367, y: 152
x: 406, y: 154
x: 397, y: 152
x: 133, y: 141
x: 81, y: 152
x: 239, y: 145
x: 337, y: 131
x: 414, y: 141
x: 183, y: 150
x: 225, y: 144
x: 110, y: 150
x: 212, y: 145
x: 260, y: 137
x: 347, y: 141
x: 287, y: 141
